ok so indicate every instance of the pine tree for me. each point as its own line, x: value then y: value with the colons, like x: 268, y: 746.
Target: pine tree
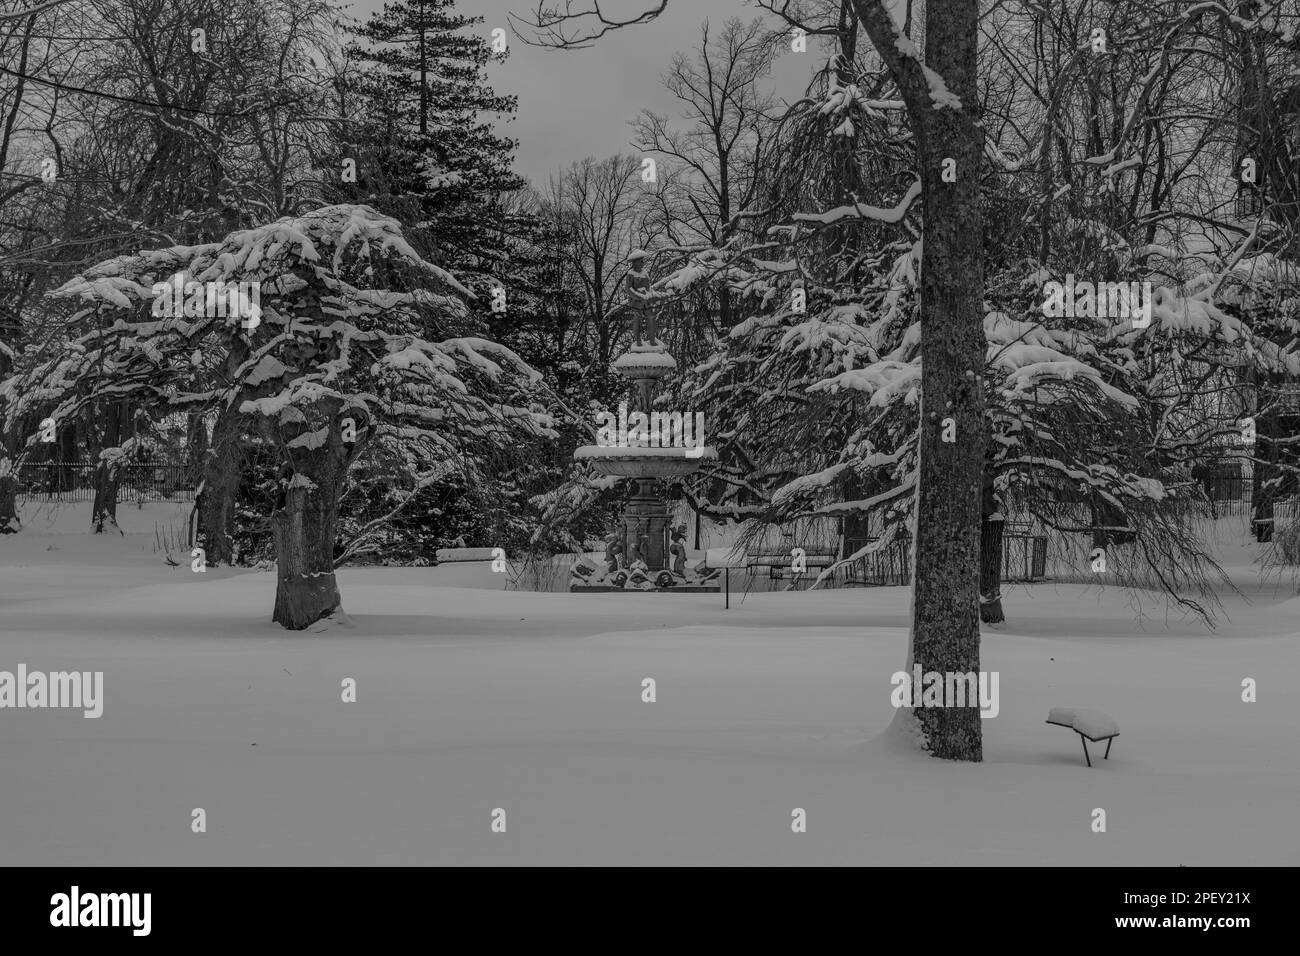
x: 423, y: 145
x: 427, y: 152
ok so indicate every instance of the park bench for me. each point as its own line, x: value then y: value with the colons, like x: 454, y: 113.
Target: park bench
x: 1089, y: 725
x: 779, y: 564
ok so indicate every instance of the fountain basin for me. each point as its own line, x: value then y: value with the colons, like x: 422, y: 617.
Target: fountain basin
x: 632, y: 462
x: 645, y: 361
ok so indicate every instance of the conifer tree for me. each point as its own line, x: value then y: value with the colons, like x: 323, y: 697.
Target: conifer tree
x: 425, y: 146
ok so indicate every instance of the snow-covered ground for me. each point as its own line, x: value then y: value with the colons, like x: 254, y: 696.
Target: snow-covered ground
x: 471, y: 698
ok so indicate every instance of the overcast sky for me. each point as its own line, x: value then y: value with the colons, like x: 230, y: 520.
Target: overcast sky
x: 577, y: 103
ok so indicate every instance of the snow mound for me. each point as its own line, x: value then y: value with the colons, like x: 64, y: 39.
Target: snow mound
x: 336, y: 618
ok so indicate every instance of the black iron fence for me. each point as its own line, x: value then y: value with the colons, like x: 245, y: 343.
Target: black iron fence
x: 1233, y: 483
x: 1024, y: 555
x: 1233, y: 495
x: 75, y: 481
x: 1024, y: 558
x: 890, y: 565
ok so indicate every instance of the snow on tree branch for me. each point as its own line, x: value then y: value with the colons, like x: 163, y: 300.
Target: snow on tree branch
x: 864, y: 211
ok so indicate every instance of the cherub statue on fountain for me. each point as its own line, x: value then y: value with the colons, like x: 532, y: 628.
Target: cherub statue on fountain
x: 636, y: 554
x: 678, y: 550
x: 638, y: 571
x: 613, y: 554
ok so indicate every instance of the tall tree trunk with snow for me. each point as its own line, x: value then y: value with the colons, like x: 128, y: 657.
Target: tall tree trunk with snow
x: 303, y: 526
x: 220, y: 486
x: 943, y: 106
x: 222, y: 462
x: 304, y: 522
x: 108, y: 472
x: 104, y: 512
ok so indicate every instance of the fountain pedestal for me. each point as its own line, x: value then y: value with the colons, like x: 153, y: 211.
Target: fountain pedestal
x: 645, y: 524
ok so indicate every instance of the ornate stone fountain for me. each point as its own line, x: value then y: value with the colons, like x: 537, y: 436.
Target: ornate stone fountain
x: 643, y: 553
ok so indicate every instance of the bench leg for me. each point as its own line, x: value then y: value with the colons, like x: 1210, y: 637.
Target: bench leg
x: 1084, y: 740
x: 1109, y: 741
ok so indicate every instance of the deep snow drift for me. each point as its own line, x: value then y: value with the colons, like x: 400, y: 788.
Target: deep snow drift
x: 471, y: 698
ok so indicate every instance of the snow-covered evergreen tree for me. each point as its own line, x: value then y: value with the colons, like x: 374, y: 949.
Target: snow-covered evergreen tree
x: 426, y: 148
x: 333, y: 364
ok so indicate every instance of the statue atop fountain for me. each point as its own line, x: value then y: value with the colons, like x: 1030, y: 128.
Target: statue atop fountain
x: 638, y: 298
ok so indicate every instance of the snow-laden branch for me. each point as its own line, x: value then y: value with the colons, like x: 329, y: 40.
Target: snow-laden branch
x: 360, y: 538
x: 863, y: 211
x: 940, y: 95
x: 1236, y: 257
x: 872, y: 547
x: 920, y: 85
x: 1004, y: 163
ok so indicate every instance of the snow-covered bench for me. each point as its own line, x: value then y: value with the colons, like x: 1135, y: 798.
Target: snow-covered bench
x: 1089, y: 725
x: 446, y: 555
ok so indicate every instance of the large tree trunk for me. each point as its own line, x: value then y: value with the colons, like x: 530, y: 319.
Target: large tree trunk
x: 946, y: 586
x: 64, y: 477
x: 108, y: 474
x: 945, y: 636
x: 991, y: 559
x: 104, y: 513
x: 305, y: 587
x: 9, y: 460
x: 219, y: 488
x: 303, y: 523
